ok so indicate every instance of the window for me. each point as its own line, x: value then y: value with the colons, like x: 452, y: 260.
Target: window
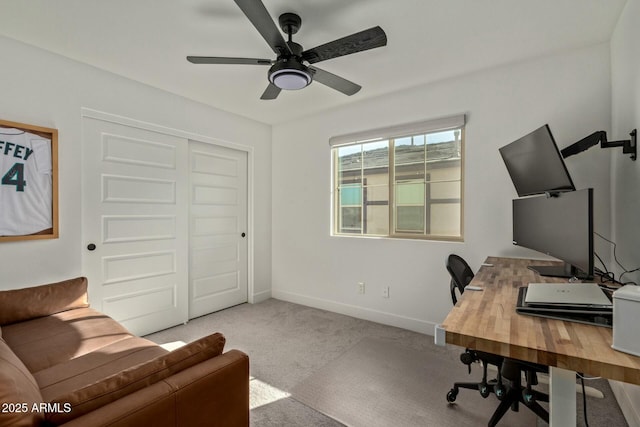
x: 400, y: 182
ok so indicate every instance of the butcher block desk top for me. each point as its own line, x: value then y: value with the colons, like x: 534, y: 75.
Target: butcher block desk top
x: 487, y: 321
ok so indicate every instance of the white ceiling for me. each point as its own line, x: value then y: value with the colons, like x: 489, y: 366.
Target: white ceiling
x: 428, y: 40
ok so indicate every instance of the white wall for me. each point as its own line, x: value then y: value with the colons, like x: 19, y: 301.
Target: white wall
x: 569, y: 91
x: 625, y: 78
x: 48, y: 90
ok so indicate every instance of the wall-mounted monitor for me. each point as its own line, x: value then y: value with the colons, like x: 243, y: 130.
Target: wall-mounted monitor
x: 561, y: 227
x: 535, y: 164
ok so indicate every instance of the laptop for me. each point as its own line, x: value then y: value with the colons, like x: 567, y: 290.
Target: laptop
x: 566, y: 295
x: 598, y: 316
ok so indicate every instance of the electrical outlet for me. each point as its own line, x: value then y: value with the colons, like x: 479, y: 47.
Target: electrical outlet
x: 361, y: 288
x: 385, y: 292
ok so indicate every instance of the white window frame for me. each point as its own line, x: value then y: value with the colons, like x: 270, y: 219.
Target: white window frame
x: 393, y: 133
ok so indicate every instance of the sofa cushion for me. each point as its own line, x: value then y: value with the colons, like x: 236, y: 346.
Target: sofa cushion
x: 115, y: 386
x: 47, y: 341
x: 27, y: 303
x: 18, y: 388
x: 92, y: 367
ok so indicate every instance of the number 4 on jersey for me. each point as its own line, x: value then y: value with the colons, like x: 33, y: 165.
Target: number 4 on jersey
x: 15, y: 176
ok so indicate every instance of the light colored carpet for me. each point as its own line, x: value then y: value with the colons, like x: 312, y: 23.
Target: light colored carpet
x: 378, y: 384
x: 289, y: 343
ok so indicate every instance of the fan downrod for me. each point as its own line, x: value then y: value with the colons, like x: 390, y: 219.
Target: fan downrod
x: 289, y: 23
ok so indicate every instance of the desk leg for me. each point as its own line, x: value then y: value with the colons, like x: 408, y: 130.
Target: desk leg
x: 562, y: 397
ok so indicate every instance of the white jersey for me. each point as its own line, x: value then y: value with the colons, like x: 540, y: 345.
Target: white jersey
x: 25, y: 183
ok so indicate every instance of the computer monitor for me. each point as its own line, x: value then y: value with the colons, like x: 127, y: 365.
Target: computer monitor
x: 561, y: 227
x: 535, y: 164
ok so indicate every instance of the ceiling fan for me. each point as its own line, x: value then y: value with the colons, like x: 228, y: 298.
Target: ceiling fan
x: 288, y: 71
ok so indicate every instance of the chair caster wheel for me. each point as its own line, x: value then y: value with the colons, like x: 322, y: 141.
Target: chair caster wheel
x: 484, y: 390
x: 451, y: 396
x: 467, y: 358
x: 500, y: 392
x: 528, y: 397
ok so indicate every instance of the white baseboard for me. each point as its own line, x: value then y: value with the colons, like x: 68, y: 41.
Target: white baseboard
x: 260, y: 296
x: 385, y: 318
x: 626, y: 406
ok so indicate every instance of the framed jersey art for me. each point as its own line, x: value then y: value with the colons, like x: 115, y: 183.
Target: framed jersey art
x: 28, y: 182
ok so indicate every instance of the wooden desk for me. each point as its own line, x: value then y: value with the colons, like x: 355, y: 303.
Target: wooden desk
x: 487, y: 321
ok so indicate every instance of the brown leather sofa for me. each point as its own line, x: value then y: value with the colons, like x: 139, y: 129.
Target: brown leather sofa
x: 63, y: 363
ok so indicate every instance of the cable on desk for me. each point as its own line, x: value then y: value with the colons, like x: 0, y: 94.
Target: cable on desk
x: 630, y: 271
x: 606, y: 271
x: 584, y: 400
x: 615, y: 257
x: 581, y: 376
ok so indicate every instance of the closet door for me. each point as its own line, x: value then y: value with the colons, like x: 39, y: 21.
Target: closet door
x: 218, y: 227
x: 135, y: 224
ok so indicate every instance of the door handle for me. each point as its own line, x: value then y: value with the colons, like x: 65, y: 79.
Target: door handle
x: 243, y: 234
x: 91, y: 247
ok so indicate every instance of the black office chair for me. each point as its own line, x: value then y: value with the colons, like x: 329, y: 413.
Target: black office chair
x: 510, y: 392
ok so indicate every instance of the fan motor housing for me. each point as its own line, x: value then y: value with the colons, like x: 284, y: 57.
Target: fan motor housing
x: 290, y: 23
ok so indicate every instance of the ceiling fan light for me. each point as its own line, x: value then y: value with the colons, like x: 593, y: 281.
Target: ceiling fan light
x: 290, y: 79
x: 290, y: 74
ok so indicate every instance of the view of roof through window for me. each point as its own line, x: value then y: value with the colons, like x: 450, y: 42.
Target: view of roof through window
x: 407, y: 186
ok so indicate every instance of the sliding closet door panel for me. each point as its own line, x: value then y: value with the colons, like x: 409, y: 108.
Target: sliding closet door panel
x: 135, y: 224
x: 218, y: 242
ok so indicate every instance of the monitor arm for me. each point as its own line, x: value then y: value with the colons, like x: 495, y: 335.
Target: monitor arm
x: 629, y: 146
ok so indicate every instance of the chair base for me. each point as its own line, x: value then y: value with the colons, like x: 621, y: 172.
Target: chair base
x: 485, y: 389
x: 510, y: 396
x: 517, y: 395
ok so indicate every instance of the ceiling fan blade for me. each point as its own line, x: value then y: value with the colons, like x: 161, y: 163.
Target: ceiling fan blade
x: 335, y: 82
x: 260, y: 18
x: 364, y: 40
x: 271, y: 92
x: 223, y: 60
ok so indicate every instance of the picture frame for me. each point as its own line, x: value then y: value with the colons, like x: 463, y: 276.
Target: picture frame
x: 28, y: 182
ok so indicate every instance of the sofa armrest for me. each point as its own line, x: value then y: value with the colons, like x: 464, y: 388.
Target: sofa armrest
x: 212, y: 393
x: 151, y: 406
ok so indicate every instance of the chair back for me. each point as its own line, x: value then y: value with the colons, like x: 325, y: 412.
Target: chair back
x: 461, y: 275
